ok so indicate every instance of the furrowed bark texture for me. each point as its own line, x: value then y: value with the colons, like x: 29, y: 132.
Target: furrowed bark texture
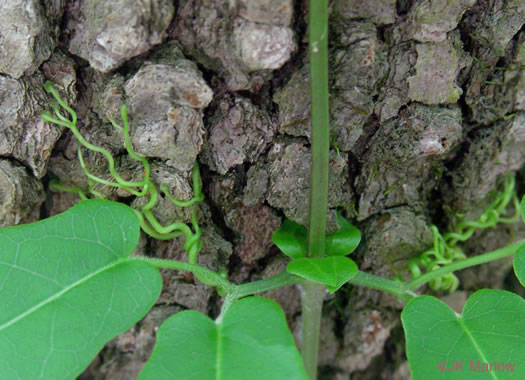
x: 427, y: 114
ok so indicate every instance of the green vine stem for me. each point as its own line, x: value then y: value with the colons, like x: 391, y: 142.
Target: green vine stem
x: 145, y: 187
x: 405, y: 291
x: 466, y: 263
x: 278, y: 281
x: 54, y: 185
x: 284, y: 278
x: 445, y: 249
x: 312, y: 297
x: 320, y: 140
x: 71, y: 125
x: 396, y: 288
x: 312, y: 294
x: 206, y: 276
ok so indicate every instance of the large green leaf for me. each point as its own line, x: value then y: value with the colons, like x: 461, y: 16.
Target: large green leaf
x: 333, y: 271
x: 291, y: 239
x: 252, y: 341
x: 343, y: 241
x: 491, y: 329
x: 519, y: 264
x: 66, y: 289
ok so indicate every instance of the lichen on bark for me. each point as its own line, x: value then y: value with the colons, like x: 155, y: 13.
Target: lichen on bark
x: 26, y: 39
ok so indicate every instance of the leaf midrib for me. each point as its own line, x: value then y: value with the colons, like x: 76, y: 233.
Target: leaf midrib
x: 56, y: 296
x: 474, y: 343
x: 218, y: 358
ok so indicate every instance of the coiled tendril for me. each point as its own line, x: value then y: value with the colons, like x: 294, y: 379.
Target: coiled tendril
x: 144, y: 188
x: 445, y: 249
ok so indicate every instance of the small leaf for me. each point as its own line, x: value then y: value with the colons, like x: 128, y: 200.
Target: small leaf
x: 519, y: 264
x: 66, y: 289
x: 291, y: 239
x: 490, y: 330
x: 252, y: 341
x: 333, y: 271
x: 343, y: 241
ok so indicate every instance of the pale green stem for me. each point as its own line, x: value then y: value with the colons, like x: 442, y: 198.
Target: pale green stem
x: 396, y: 288
x: 278, y: 281
x: 470, y: 262
x: 204, y: 275
x: 312, y: 295
x: 320, y: 140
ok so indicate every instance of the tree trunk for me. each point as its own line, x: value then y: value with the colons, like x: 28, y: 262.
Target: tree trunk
x: 427, y: 105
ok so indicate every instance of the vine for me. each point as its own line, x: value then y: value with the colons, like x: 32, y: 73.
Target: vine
x: 144, y: 188
x: 250, y: 335
x: 445, y: 249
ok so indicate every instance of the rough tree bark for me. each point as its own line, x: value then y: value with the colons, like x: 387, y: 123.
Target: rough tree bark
x: 427, y: 106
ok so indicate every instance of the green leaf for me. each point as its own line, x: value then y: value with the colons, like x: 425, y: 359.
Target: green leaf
x: 343, y: 241
x: 252, y: 341
x: 491, y: 329
x: 333, y: 271
x: 291, y: 239
x: 519, y: 264
x: 66, y: 289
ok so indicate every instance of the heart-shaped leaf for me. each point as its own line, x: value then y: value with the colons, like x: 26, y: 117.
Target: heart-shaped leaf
x: 291, y: 239
x: 66, y: 288
x: 519, y: 264
x: 333, y: 271
x: 490, y: 333
x: 343, y: 241
x: 252, y: 341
